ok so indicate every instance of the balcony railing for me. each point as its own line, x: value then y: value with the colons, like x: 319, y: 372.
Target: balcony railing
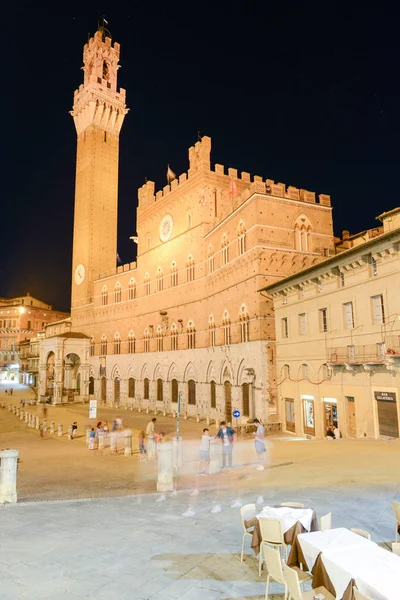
x: 366, y: 353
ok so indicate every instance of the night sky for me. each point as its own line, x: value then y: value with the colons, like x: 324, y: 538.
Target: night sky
x: 303, y: 94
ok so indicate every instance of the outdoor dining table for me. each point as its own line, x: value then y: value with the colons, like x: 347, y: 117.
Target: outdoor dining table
x: 339, y: 558
x: 293, y: 521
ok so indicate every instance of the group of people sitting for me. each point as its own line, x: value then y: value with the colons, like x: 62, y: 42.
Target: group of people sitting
x: 333, y: 433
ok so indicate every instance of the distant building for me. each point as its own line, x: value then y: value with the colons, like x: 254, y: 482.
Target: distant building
x: 186, y: 318
x: 338, y: 338
x: 21, y: 319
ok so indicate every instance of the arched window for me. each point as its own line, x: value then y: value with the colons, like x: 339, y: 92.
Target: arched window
x: 191, y: 335
x: 225, y: 249
x: 190, y: 268
x: 160, y: 279
x: 174, y: 390
x: 210, y: 259
x: 132, y: 289
x: 160, y: 339
x: 174, y: 275
x: 131, y: 343
x: 92, y: 346
x: 241, y: 238
x: 117, y: 292
x: 327, y: 371
x: 286, y: 371
x: 160, y: 394
x: 227, y: 328
x: 147, y: 284
x: 174, y: 337
x: 91, y: 386
x: 146, y: 341
x: 304, y: 371
x: 191, y: 392
x: 211, y: 331
x: 213, y: 394
x: 146, y: 388
x: 131, y: 387
x: 117, y: 344
x: 244, y: 323
x: 303, y: 233
x: 246, y: 399
x: 104, y: 296
x: 103, y: 345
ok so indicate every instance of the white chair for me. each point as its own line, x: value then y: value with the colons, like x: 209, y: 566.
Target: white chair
x: 247, y: 512
x: 358, y: 595
x: 396, y: 548
x: 295, y: 592
x: 273, y: 561
x: 325, y: 522
x: 271, y: 534
x: 396, y: 510
x: 293, y: 504
x: 361, y: 532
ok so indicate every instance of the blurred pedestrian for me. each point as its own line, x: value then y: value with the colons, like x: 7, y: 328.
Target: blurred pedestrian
x: 92, y: 438
x: 118, y: 421
x: 74, y: 429
x: 226, y: 435
x: 204, y: 453
x: 151, y: 442
x: 142, y: 446
x: 259, y: 444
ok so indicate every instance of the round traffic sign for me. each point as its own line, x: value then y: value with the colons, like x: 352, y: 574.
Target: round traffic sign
x: 236, y: 414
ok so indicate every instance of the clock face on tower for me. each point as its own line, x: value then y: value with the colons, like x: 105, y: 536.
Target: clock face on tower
x: 166, y: 226
x: 79, y: 274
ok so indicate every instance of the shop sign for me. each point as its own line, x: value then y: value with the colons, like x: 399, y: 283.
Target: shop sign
x: 385, y: 396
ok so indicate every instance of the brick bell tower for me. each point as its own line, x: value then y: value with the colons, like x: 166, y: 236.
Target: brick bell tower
x: 98, y: 112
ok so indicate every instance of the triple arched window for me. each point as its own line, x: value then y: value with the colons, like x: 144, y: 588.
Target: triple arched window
x: 117, y: 292
x: 103, y: 345
x: 104, y: 296
x: 132, y: 289
x: 117, y: 343
x: 191, y: 335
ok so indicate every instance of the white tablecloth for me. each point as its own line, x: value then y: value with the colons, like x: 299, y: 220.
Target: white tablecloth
x: 288, y: 516
x: 376, y: 571
x: 321, y: 541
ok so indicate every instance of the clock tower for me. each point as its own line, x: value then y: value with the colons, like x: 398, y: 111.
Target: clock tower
x: 98, y: 113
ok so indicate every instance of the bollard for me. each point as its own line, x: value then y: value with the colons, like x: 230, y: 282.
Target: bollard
x: 215, y: 447
x: 70, y: 432
x: 17, y: 412
x: 173, y: 414
x: 2, y: 404
x: 197, y: 418
x: 14, y: 409
x: 52, y: 428
x: 87, y: 437
x: 165, y: 481
x: 100, y: 438
x: 32, y: 421
x: 10, y: 408
x: 177, y: 452
x: 8, y: 475
x: 26, y: 417
x: 113, y: 442
x: 147, y: 410
x: 37, y: 423
x: 21, y: 414
x: 60, y: 430
x: 128, y: 442
x: 44, y: 425
x: 208, y: 420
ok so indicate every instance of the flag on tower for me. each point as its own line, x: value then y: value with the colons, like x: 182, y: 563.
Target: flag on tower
x: 170, y: 175
x: 233, y: 191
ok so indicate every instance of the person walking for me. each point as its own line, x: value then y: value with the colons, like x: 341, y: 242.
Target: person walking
x: 92, y: 439
x: 142, y: 446
x: 259, y: 444
x: 226, y: 435
x: 151, y: 442
x: 74, y: 429
x: 204, y: 453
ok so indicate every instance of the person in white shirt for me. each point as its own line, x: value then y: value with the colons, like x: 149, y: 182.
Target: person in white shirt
x: 151, y: 440
x: 204, y: 453
x: 336, y: 432
x: 259, y: 444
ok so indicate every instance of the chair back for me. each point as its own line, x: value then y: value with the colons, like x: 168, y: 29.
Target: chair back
x: 396, y: 510
x: 396, y: 548
x: 293, y: 504
x: 271, y: 530
x: 325, y: 522
x: 247, y: 512
x: 273, y: 561
x: 292, y: 580
x: 358, y: 595
x: 362, y: 532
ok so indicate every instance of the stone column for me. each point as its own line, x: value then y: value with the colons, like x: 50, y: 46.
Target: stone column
x: 128, y: 442
x: 52, y: 428
x: 70, y: 432
x: 37, y: 422
x: 60, y: 430
x: 87, y: 437
x: 113, y: 442
x: 165, y: 481
x: 215, y: 451
x: 8, y: 475
x: 21, y: 415
x: 177, y: 445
